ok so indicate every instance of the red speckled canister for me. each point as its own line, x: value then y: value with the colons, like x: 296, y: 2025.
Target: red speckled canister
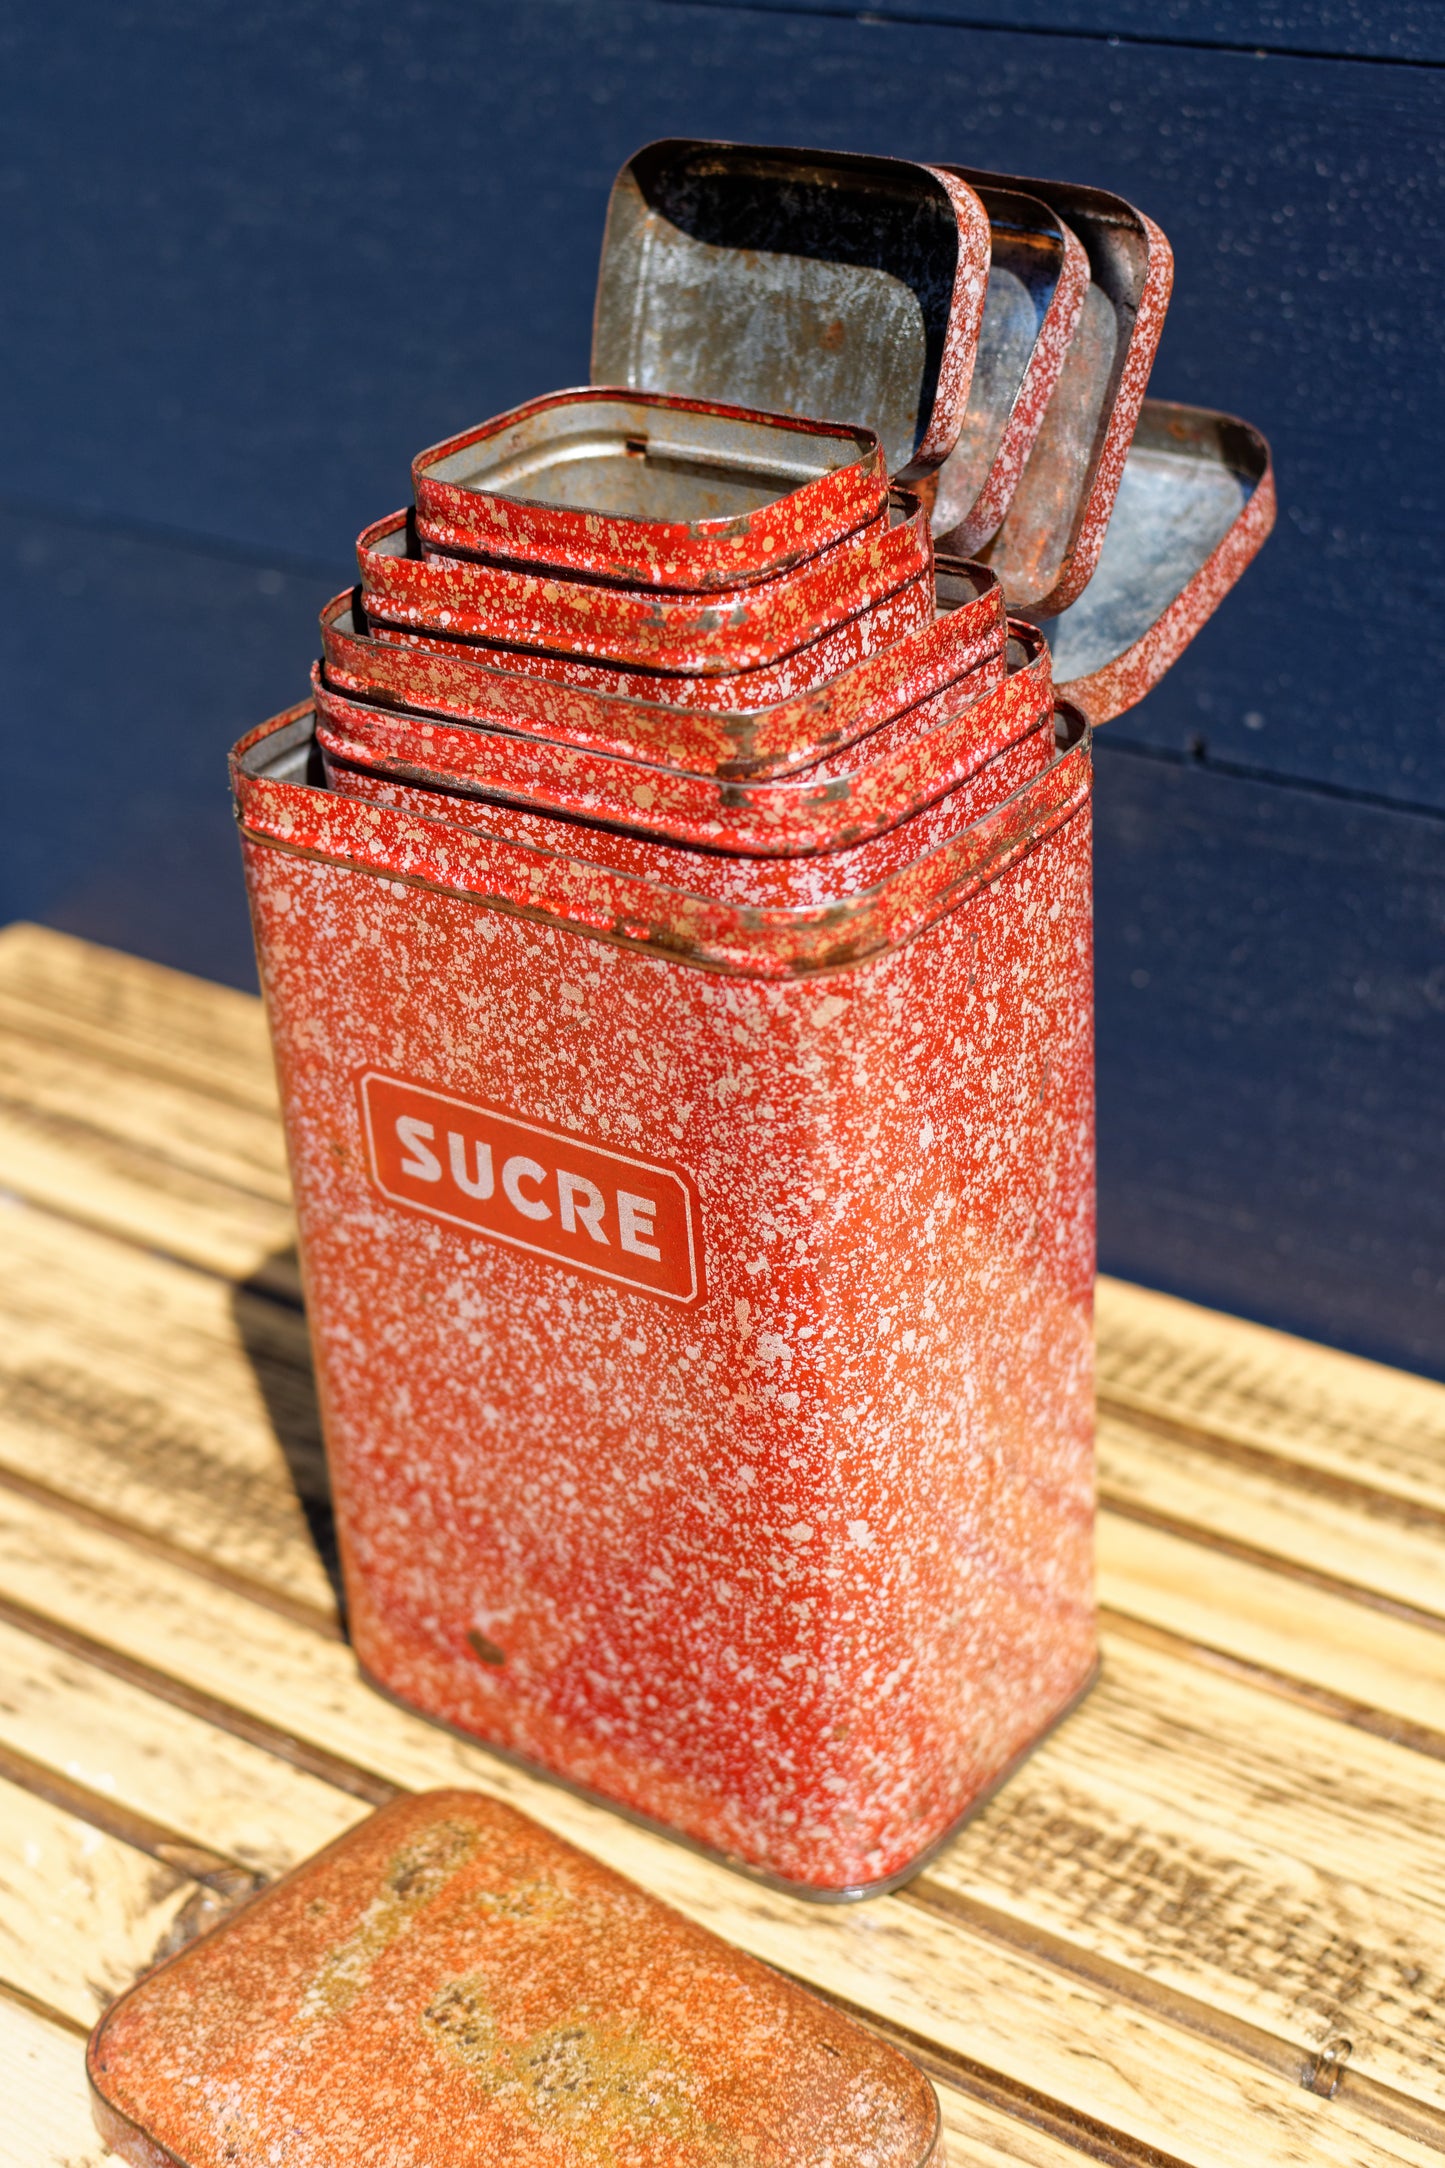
x: 700, y: 1280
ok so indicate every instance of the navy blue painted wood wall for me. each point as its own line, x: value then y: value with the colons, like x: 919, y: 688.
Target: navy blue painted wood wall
x: 254, y: 255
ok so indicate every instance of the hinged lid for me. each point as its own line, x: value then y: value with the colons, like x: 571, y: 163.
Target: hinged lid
x: 1047, y: 547
x: 1038, y: 282
x: 844, y: 288
x: 1195, y: 504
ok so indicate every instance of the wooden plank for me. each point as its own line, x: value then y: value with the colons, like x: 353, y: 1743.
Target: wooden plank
x: 46, y: 2106
x: 1321, y: 1524
x: 160, y: 1761
x: 1196, y: 1870
x: 81, y: 1913
x: 1257, y: 1869
x: 1242, y: 1384
x: 970, y: 1996
x: 71, y: 1168
x: 1204, y: 1595
x: 142, y: 1101
x: 213, y: 1133
x: 162, y: 1396
x: 137, y: 1015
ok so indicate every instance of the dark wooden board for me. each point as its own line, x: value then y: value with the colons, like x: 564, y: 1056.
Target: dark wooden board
x: 1411, y: 30
x: 256, y: 272
x: 1271, y: 1015
x: 131, y: 662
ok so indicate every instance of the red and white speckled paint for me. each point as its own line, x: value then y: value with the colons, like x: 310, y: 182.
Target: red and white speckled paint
x: 451, y: 1986
x: 729, y: 629
x: 960, y: 339
x: 924, y: 756
x: 661, y: 553
x: 797, y: 1571
x: 642, y: 720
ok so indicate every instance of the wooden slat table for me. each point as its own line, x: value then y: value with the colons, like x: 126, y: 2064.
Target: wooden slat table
x: 1205, y: 1924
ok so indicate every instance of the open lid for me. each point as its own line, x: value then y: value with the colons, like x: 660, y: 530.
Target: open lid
x: 1037, y: 283
x: 1046, y: 549
x: 816, y: 283
x: 1195, y: 503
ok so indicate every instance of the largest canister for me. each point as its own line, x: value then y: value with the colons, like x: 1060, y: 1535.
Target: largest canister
x: 701, y: 1300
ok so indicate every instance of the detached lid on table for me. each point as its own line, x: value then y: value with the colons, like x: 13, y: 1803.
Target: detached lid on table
x: 798, y: 282
x: 452, y: 1986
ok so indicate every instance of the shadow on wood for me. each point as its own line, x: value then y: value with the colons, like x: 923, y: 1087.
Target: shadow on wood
x: 274, y: 1338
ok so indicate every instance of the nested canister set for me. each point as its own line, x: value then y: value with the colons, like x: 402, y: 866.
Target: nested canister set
x: 673, y: 907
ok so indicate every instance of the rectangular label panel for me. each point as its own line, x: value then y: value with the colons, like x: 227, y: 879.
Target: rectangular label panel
x: 541, y: 1190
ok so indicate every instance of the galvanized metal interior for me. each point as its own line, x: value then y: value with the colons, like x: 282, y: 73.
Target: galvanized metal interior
x: 628, y: 459
x: 1187, y: 480
x: 798, y: 282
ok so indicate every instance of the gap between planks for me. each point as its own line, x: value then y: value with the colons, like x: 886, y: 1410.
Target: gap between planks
x: 1381, y: 2108
x: 972, y: 2093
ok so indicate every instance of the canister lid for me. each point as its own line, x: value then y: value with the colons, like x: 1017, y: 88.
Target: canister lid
x: 1048, y: 545
x: 452, y: 1986
x: 1194, y: 506
x: 798, y: 282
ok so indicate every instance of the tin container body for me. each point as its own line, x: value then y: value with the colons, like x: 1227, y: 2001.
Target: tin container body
x: 819, y: 879
x: 524, y: 2004
x: 921, y: 757
x: 701, y: 1299
x: 644, y: 491
x: 678, y: 722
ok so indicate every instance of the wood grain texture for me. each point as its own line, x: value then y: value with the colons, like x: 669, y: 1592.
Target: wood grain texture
x: 1205, y: 1595
x: 157, y: 1395
x: 159, y: 1761
x: 1123, y: 2064
x: 137, y: 1016
x: 1234, y: 1383
x: 81, y: 1913
x: 142, y: 1101
x: 46, y: 2108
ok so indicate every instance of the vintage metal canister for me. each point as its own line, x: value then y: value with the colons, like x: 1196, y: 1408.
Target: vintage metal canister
x: 701, y: 1297
x: 831, y: 805
x: 646, y: 491
x: 674, y: 920
x: 702, y: 725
